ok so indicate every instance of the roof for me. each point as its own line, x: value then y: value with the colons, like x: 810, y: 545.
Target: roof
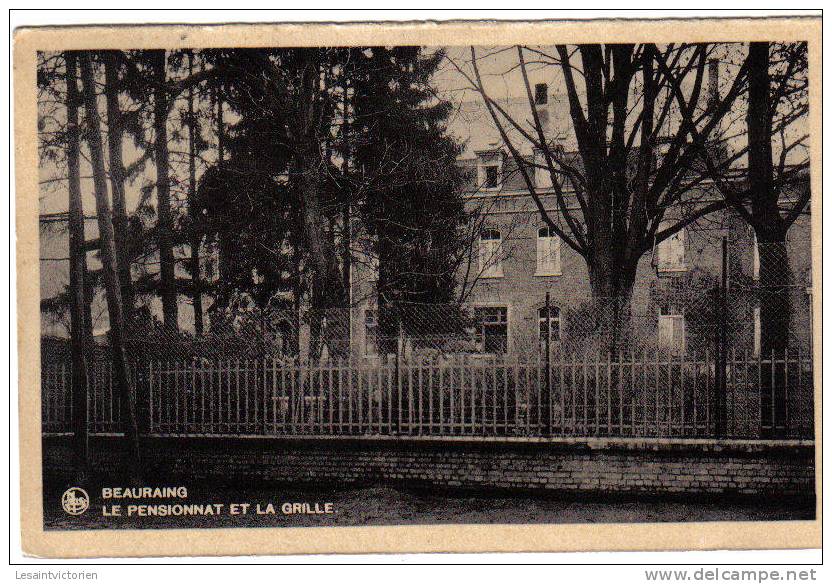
x: 472, y: 124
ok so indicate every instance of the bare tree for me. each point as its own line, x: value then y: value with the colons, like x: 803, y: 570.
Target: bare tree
x: 77, y: 271
x: 767, y: 183
x: 772, y: 196
x: 769, y: 196
x: 55, y: 132
x: 115, y: 134
x: 622, y: 110
x: 196, y: 237
x: 109, y: 261
x: 167, y: 267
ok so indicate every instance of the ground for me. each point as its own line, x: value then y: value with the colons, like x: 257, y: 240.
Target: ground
x: 391, y: 506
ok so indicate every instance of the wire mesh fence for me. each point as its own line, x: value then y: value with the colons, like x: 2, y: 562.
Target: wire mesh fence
x: 698, y: 365
x: 690, y: 353
x: 677, y: 321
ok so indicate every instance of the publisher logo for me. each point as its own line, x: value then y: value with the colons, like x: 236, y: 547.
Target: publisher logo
x: 75, y: 501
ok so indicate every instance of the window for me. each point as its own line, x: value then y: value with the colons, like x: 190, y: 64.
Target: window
x: 370, y: 332
x: 671, y: 328
x: 492, y: 328
x: 491, y: 265
x: 541, y: 95
x: 548, y: 252
x: 671, y: 253
x: 489, y: 169
x: 549, y: 323
x: 755, y: 258
x: 492, y: 180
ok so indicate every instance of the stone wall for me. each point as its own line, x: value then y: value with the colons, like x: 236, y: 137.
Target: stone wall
x: 614, y: 466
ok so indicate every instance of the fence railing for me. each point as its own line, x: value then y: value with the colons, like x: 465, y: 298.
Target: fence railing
x: 644, y: 394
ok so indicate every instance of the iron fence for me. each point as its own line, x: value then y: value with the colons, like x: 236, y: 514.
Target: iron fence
x: 643, y: 393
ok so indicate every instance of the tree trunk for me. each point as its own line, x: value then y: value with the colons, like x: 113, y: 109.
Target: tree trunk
x: 326, y: 282
x: 611, y: 280
x: 758, y: 118
x: 327, y: 286
x: 775, y: 311
x: 774, y: 301
x: 109, y: 266
x: 77, y: 274
x: 114, y: 144
x: 196, y: 239
x: 769, y: 227
x: 224, y: 258
x: 388, y: 313
x: 170, y: 308
x: 346, y: 217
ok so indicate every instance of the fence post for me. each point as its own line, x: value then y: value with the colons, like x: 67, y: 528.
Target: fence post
x: 142, y: 398
x: 399, y: 349
x: 548, y: 361
x: 722, y: 338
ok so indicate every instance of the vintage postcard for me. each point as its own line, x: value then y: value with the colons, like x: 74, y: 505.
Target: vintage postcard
x: 419, y: 287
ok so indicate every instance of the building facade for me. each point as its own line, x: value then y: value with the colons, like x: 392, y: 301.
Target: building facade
x: 517, y: 261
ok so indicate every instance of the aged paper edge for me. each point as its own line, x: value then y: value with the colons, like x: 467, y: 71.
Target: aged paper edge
x: 393, y: 539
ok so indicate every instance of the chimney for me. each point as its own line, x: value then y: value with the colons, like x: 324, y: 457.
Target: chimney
x: 541, y: 104
x: 713, y: 83
x: 541, y: 94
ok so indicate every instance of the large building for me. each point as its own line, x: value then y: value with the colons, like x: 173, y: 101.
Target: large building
x: 518, y: 260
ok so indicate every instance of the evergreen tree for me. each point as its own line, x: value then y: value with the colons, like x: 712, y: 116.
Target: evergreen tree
x: 412, y: 203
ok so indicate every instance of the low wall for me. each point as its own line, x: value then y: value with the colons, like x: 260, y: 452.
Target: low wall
x: 579, y: 466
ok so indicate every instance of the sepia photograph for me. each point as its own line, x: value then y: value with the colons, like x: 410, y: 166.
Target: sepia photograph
x: 369, y: 284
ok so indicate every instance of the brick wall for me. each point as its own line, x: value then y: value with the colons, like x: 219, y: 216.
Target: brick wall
x: 594, y: 467
x: 523, y: 292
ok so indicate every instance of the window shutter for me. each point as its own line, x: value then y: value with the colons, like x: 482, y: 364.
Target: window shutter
x: 554, y: 246
x: 541, y: 254
x: 548, y: 252
x: 679, y: 333
x: 485, y: 257
x: 483, y: 254
x: 663, y: 253
x: 543, y: 179
x: 490, y: 250
x: 757, y: 331
x: 756, y: 259
x: 671, y: 252
x: 496, y: 260
x: 665, y: 331
x: 370, y: 332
